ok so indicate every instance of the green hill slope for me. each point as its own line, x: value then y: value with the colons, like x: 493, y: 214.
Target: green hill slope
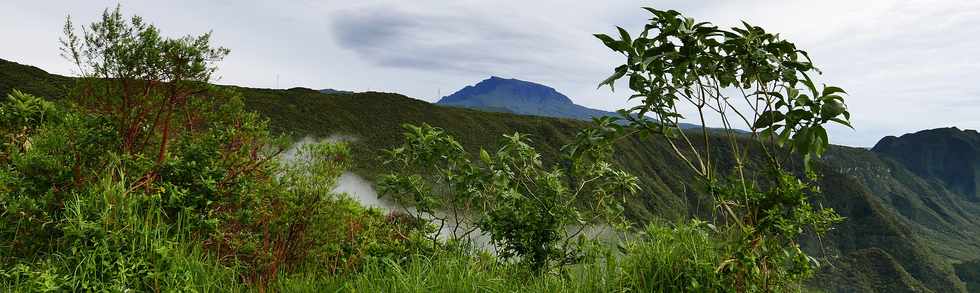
x: 903, y: 230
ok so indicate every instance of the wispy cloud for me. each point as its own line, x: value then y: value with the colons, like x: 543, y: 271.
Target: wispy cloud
x: 451, y: 40
x: 425, y: 41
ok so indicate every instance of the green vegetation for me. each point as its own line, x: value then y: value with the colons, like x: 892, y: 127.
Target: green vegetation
x: 753, y: 243
x: 67, y: 182
x: 969, y: 272
x: 759, y: 212
x: 526, y: 208
x: 151, y: 179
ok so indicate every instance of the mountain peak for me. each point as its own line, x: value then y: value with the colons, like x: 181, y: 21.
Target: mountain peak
x: 335, y: 91
x: 500, y: 94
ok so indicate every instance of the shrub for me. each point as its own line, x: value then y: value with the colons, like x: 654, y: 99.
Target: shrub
x: 526, y: 208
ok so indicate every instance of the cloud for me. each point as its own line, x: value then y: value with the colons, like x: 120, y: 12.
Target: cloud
x: 428, y: 40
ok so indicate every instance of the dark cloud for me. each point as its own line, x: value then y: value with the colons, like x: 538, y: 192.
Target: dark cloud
x: 372, y: 30
x: 429, y: 41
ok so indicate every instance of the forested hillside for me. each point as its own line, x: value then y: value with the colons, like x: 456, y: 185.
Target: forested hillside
x: 903, y: 230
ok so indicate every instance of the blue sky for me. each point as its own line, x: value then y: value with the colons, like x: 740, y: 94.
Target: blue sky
x: 908, y: 65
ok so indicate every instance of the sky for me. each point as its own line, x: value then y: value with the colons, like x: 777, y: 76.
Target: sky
x: 907, y: 65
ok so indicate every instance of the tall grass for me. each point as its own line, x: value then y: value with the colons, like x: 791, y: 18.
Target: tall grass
x: 674, y: 259
x: 662, y: 259
x: 123, y: 242
x: 117, y: 241
x: 456, y: 272
x: 128, y: 246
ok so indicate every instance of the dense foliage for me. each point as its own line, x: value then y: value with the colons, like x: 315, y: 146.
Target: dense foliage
x: 743, y: 78
x: 131, y: 220
x: 151, y: 175
x: 526, y: 208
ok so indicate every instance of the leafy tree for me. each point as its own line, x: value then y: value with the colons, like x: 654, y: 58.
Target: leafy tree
x: 537, y: 211
x: 526, y: 208
x: 451, y: 194
x: 144, y: 80
x: 742, y: 77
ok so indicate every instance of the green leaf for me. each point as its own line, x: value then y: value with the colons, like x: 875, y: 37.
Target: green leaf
x: 653, y: 10
x: 620, y: 71
x: 792, y: 93
x: 637, y: 81
x: 625, y: 37
x: 842, y: 122
x: 804, y: 100
x: 802, y: 139
x: 831, y: 109
x: 485, y: 156
x: 820, y: 141
x: 809, y: 84
x: 784, y: 136
x: 768, y: 118
x: 609, y: 42
x: 646, y: 61
x: 830, y: 90
x: 833, y: 98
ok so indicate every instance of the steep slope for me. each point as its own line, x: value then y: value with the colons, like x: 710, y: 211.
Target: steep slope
x: 31, y: 79
x: 868, y: 270
x: 878, y: 248
x: 941, y: 216
x: 872, y: 224
x: 948, y: 154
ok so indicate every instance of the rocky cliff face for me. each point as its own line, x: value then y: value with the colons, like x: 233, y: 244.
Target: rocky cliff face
x: 947, y: 154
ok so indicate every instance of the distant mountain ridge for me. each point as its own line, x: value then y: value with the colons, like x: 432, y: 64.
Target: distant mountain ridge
x: 335, y: 91
x: 509, y: 95
x: 949, y: 154
x: 520, y: 97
